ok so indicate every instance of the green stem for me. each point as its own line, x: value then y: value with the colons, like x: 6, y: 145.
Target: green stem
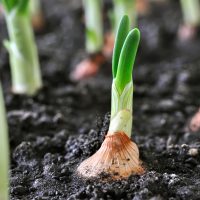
x: 191, y: 12
x: 4, y: 153
x: 126, y: 45
x: 93, y: 22
x: 121, y: 35
x: 124, y: 7
x: 25, y: 69
x: 121, y: 104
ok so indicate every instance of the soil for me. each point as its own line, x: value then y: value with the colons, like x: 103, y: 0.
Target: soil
x: 51, y: 133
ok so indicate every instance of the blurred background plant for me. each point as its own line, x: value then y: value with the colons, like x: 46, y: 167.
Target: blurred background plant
x: 24, y: 61
x: 4, y: 153
x: 94, y: 40
x: 99, y: 46
x: 191, y: 19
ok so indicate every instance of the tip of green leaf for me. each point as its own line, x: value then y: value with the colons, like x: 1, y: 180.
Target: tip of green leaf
x: 135, y: 33
x: 122, y: 32
x: 125, y: 18
x: 127, y: 59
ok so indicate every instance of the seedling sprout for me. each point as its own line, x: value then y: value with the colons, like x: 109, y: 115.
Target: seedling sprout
x: 118, y: 156
x: 25, y: 69
x: 94, y: 40
x: 94, y: 26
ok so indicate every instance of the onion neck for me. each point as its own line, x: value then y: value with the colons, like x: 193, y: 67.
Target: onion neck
x: 121, y: 109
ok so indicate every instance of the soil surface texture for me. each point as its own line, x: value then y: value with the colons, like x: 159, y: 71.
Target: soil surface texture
x: 66, y: 122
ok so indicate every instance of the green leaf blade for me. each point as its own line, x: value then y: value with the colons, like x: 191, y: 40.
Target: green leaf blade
x: 23, y: 6
x: 119, y: 41
x: 20, y: 5
x: 127, y: 59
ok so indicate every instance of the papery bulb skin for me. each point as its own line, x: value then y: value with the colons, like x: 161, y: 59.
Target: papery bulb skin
x: 118, y: 157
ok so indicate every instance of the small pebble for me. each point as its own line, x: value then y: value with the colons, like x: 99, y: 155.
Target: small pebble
x: 193, y: 152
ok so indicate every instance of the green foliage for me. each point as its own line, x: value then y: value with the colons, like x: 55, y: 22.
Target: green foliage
x: 119, y: 41
x: 91, y: 35
x: 94, y: 25
x: 126, y: 45
x: 24, y: 61
x: 20, y: 5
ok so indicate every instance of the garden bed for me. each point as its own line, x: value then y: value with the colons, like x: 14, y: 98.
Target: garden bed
x: 66, y: 122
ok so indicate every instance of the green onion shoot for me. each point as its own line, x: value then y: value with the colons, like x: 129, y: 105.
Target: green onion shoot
x: 4, y: 153
x: 124, y: 7
x: 118, y: 156
x: 94, y: 26
x: 24, y: 61
x: 94, y: 41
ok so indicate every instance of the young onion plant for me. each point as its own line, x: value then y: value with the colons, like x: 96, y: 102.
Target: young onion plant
x: 94, y: 26
x: 118, y: 156
x: 94, y: 41
x: 4, y: 153
x: 25, y: 69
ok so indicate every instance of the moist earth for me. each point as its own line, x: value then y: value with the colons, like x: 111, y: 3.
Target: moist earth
x: 51, y: 133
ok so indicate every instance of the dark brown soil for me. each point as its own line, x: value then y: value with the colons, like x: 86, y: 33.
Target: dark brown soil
x: 66, y: 122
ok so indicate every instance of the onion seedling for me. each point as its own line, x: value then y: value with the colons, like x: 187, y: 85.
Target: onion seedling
x: 25, y: 69
x: 37, y: 17
x: 4, y: 153
x: 118, y: 156
x: 191, y: 16
x: 94, y: 40
x: 94, y: 27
